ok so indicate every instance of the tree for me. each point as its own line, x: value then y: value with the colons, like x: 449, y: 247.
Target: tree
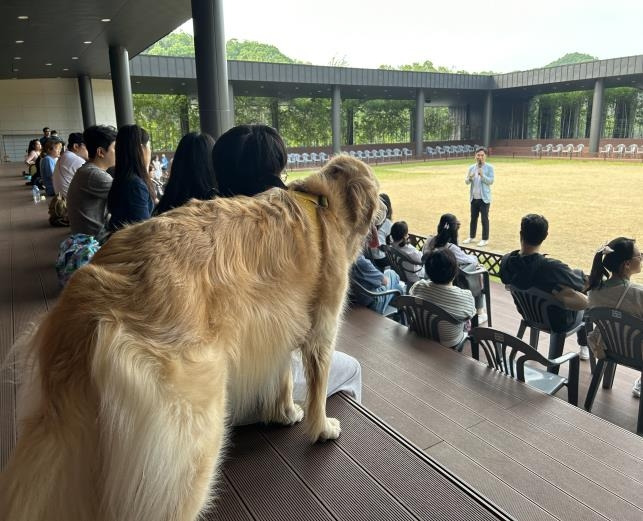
x: 572, y: 57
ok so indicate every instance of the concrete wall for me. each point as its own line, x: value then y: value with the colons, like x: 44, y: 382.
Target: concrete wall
x: 26, y: 106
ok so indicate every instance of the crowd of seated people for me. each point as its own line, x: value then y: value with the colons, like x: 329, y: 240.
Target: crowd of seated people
x: 107, y: 177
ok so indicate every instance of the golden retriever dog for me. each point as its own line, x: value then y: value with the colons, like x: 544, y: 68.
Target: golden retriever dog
x: 179, y: 326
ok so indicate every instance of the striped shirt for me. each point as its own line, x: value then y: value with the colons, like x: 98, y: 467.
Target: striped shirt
x: 455, y: 301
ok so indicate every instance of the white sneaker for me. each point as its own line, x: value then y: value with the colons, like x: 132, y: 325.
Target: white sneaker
x: 583, y: 354
x: 468, y: 241
x: 636, y: 390
x: 482, y: 318
x: 483, y: 243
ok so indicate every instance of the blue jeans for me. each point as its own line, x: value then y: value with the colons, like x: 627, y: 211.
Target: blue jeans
x: 380, y: 303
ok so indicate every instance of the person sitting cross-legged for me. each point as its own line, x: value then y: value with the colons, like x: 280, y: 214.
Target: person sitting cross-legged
x: 441, y: 267
x: 365, y: 273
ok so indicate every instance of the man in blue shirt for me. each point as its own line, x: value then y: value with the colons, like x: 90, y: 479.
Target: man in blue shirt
x: 365, y: 273
x: 479, y: 178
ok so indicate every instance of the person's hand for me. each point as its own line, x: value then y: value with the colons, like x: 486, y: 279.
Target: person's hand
x: 384, y: 280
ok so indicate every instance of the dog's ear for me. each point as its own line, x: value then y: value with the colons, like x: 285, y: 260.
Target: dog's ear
x: 359, y: 188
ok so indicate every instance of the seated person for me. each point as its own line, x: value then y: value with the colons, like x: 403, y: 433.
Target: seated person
x: 52, y: 148
x: 192, y: 173
x: 33, y: 154
x: 398, y: 238
x: 131, y: 197
x: 87, y: 192
x: 610, y: 287
x: 70, y: 161
x: 383, y: 231
x: 441, y: 267
x: 447, y: 237
x: 248, y: 160
x: 365, y: 273
x: 528, y: 268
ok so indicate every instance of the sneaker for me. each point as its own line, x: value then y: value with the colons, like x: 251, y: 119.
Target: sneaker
x: 636, y: 390
x: 482, y: 318
x: 483, y: 243
x: 468, y: 241
x: 583, y: 354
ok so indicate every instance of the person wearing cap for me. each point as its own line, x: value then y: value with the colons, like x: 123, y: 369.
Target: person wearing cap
x: 70, y: 161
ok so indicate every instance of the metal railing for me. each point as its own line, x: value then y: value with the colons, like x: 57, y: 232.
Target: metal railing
x: 488, y: 259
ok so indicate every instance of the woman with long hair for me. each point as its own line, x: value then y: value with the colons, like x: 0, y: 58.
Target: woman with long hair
x: 398, y: 239
x: 192, y: 175
x: 610, y: 286
x: 447, y: 237
x: 131, y: 197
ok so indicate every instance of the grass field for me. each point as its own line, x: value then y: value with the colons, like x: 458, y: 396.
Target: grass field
x: 585, y: 202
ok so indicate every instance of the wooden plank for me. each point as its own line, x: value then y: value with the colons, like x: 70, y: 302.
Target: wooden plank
x: 521, y: 478
x: 404, y: 424
x: 605, y: 451
x: 512, y: 501
x: 256, y: 462
x: 579, y: 460
x: 567, y: 480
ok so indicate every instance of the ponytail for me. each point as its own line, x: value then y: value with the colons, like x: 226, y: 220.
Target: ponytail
x: 609, y: 258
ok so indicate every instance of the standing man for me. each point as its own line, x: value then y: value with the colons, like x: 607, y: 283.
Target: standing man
x: 46, y: 134
x: 479, y: 178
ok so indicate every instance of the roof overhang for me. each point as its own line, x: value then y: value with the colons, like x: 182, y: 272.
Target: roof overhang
x: 56, y: 33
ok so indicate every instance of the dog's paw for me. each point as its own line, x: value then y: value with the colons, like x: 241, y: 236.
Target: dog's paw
x: 294, y: 414
x: 331, y: 430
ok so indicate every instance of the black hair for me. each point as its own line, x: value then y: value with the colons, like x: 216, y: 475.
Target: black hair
x: 604, y: 264
x: 98, y: 136
x: 248, y: 160
x: 399, y: 231
x: 45, y: 129
x: 447, y: 231
x: 441, y: 266
x: 32, y: 145
x: 129, y: 160
x: 192, y: 175
x: 387, y: 201
x: 534, y: 229
x: 481, y: 149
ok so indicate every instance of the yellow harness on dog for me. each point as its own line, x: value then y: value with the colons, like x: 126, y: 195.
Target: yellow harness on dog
x: 309, y: 203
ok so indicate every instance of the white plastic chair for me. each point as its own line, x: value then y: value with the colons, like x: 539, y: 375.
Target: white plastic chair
x: 406, y: 153
x: 547, y: 149
x: 605, y: 151
x: 619, y: 150
x: 579, y: 149
x: 557, y: 150
x: 537, y: 150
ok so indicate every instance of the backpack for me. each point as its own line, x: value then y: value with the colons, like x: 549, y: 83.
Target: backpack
x: 58, y: 211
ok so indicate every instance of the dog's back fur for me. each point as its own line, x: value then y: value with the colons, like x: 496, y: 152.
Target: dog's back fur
x: 176, y: 324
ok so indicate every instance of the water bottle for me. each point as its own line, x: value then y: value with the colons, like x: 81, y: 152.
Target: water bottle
x: 36, y: 194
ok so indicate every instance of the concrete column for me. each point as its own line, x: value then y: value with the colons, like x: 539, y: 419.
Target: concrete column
x: 121, y: 85
x: 274, y: 113
x: 419, y: 123
x: 336, y: 124
x: 86, y: 101
x: 486, y: 119
x: 231, y: 103
x: 596, y: 126
x: 211, y: 66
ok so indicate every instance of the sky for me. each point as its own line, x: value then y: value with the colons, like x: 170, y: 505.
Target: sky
x: 501, y: 36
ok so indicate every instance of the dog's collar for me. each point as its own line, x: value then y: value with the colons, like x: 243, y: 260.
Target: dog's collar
x: 318, y: 200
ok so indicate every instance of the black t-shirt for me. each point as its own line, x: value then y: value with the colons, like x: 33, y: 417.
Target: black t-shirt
x: 545, y: 274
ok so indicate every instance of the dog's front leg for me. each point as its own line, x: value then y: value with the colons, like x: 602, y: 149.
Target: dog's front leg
x: 317, y: 354
x: 286, y: 411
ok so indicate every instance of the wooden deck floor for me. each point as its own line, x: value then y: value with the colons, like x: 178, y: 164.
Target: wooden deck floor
x: 534, y: 455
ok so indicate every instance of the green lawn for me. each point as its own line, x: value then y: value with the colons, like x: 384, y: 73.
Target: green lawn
x: 585, y: 202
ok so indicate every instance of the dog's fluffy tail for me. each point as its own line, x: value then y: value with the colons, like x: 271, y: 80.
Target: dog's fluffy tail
x: 118, y: 444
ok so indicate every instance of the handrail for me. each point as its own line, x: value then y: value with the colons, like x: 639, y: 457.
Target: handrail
x: 488, y: 259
